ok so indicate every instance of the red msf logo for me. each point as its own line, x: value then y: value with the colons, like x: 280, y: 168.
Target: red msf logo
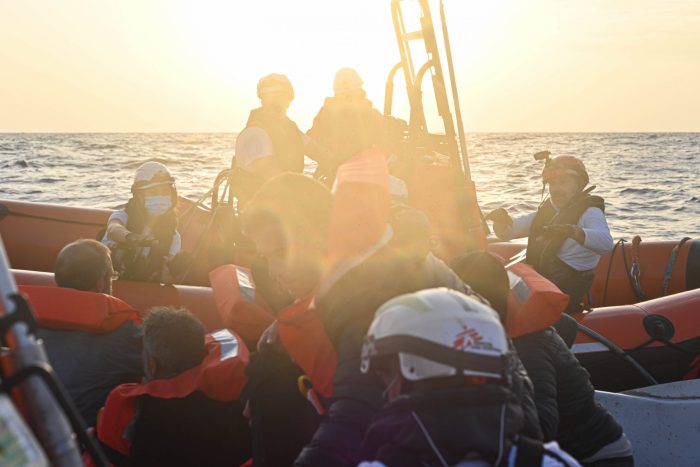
x: 466, y: 338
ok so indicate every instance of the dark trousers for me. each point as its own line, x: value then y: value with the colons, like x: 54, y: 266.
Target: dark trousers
x: 575, y: 284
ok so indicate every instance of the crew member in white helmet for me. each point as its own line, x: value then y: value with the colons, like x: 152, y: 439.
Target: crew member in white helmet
x: 447, y: 367
x: 288, y: 143
x: 347, y: 121
x: 143, y: 236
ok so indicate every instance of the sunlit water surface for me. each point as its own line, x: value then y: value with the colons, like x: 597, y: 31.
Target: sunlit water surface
x: 650, y: 181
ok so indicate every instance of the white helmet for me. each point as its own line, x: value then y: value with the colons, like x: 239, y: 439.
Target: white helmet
x: 252, y: 143
x: 151, y: 174
x: 438, y: 333
x: 346, y: 80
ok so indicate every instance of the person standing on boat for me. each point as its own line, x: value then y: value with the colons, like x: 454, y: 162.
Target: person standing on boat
x: 350, y: 103
x: 289, y: 144
x: 568, y: 233
x: 143, y: 236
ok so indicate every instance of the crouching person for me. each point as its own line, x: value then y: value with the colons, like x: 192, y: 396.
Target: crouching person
x: 447, y: 368
x: 186, y: 412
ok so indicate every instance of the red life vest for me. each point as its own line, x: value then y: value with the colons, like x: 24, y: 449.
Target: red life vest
x: 220, y: 376
x: 304, y: 338
x: 299, y: 325
x: 534, y: 302
x: 361, y: 208
x: 239, y: 305
x: 76, y: 310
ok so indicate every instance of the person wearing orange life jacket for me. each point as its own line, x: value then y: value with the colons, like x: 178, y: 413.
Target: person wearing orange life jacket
x: 143, y: 236
x: 93, y: 340
x: 291, y: 236
x: 348, y: 249
x: 186, y: 412
x: 564, y: 396
x: 568, y: 234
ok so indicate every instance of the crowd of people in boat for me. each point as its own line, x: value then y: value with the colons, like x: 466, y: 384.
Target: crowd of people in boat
x: 371, y: 351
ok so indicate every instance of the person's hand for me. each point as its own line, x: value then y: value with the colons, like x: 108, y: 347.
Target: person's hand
x: 136, y: 239
x: 499, y: 216
x: 501, y: 220
x: 564, y: 231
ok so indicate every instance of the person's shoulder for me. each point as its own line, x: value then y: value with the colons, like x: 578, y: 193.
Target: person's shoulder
x: 119, y: 215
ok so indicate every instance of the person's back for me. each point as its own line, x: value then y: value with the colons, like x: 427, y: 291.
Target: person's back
x: 90, y: 365
x: 564, y: 396
x: 191, y: 431
x: 89, y: 358
x: 445, y: 361
x: 187, y: 410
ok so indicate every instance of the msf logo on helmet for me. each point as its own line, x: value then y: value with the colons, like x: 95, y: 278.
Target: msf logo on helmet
x: 467, y: 338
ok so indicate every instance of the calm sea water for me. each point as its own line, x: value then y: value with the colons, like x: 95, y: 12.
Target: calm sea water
x: 650, y: 181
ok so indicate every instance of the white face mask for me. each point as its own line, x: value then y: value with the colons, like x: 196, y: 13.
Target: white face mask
x: 157, y: 205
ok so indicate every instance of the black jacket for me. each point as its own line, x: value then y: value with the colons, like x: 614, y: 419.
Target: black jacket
x: 564, y: 396
x: 191, y: 431
x: 420, y: 429
x: 348, y: 309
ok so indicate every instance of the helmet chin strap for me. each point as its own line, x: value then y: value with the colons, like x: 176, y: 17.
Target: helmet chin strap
x: 387, y: 393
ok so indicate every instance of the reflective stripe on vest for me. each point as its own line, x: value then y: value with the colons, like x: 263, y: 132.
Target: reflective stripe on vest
x: 304, y: 338
x: 237, y: 302
x: 534, y: 302
x: 220, y: 376
x: 76, y: 310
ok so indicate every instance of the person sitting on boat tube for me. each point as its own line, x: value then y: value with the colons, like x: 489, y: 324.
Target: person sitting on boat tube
x: 186, y: 411
x: 143, y: 236
x: 567, y: 234
x: 447, y: 370
x: 93, y: 340
x: 565, y: 398
x: 288, y: 142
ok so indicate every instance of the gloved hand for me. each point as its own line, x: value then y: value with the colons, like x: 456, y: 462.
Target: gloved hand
x: 501, y: 221
x: 136, y: 239
x: 500, y: 216
x: 564, y: 231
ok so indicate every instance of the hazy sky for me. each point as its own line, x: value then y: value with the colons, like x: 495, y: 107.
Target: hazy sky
x: 178, y: 65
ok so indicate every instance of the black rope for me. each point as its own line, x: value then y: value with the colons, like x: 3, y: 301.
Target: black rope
x: 68, y: 407
x: 610, y: 263
x: 637, y: 293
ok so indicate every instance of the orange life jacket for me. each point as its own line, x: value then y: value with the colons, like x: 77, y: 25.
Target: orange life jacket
x: 220, y: 376
x: 304, y: 338
x: 299, y: 325
x: 534, y: 302
x: 76, y: 310
x: 239, y: 306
